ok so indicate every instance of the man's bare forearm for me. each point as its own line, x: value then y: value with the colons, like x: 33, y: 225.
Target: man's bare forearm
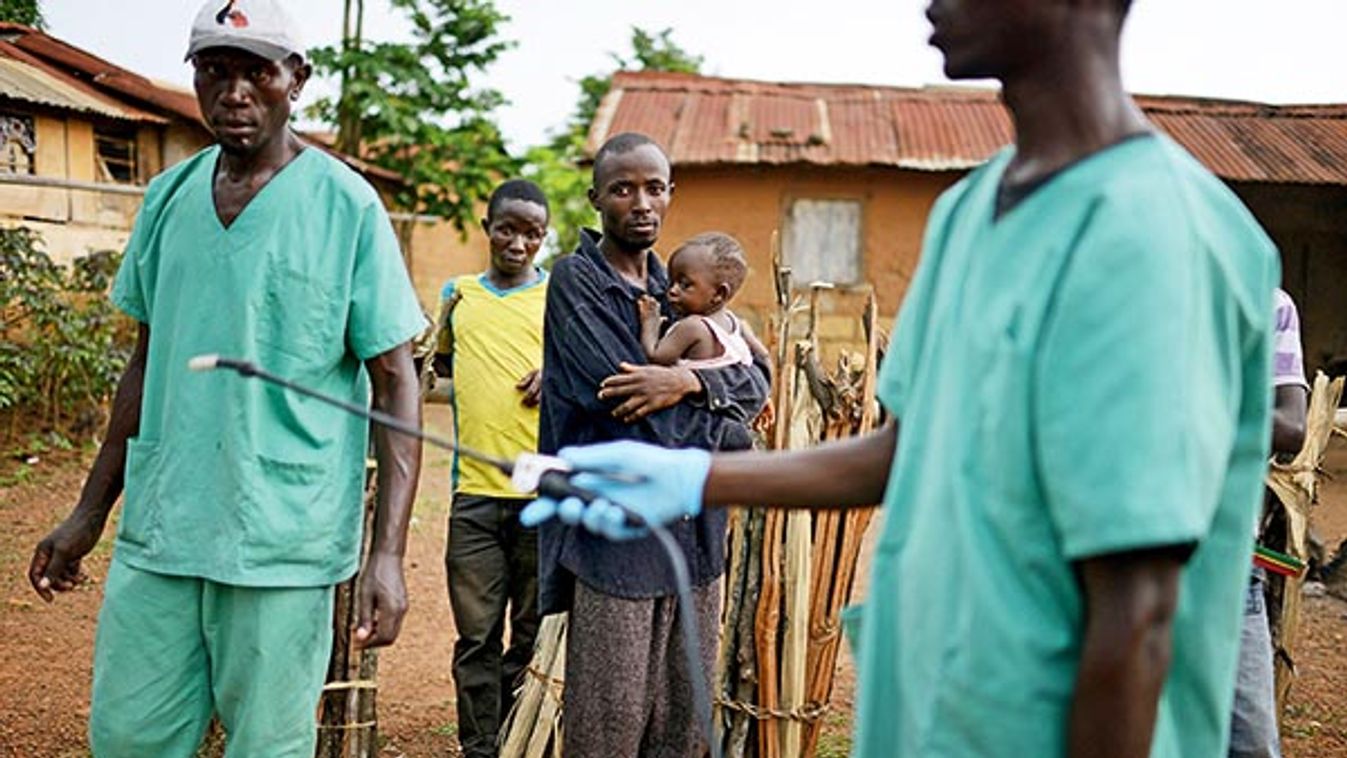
x: 396, y: 389
x: 1130, y: 604
x: 107, y: 475
x: 1288, y: 419
x: 839, y: 474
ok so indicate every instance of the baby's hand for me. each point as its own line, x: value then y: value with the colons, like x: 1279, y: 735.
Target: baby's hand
x: 648, y: 308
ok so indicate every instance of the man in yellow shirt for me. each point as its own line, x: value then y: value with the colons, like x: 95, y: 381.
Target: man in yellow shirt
x: 491, y: 346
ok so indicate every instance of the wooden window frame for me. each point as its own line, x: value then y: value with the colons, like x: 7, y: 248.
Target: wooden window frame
x: 861, y: 201
x: 114, y: 136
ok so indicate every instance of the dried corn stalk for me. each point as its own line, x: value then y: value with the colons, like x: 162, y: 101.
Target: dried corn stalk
x: 791, y: 572
x: 533, y: 727
x: 1296, y: 486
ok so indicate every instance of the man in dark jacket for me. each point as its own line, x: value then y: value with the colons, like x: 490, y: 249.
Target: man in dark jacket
x: 627, y: 689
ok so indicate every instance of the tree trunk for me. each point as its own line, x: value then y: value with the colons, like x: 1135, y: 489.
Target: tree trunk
x: 348, y: 118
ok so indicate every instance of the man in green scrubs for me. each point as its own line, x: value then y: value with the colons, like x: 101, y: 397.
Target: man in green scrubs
x: 243, y: 503
x: 1079, y: 393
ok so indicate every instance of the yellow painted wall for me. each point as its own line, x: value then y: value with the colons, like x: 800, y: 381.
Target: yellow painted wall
x: 80, y: 154
x: 76, y: 222
x: 149, y: 151
x: 751, y: 202
x: 41, y: 203
x: 439, y: 253
x: 72, y: 223
x: 181, y: 141
x: 80, y: 150
x: 65, y: 242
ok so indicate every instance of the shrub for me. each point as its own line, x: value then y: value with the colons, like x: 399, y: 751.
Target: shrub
x: 62, y: 343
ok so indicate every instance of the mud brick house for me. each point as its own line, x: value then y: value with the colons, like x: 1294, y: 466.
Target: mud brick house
x: 848, y: 174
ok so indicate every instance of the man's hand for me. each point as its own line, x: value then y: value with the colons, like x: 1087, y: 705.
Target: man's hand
x: 382, y: 602
x: 644, y: 390
x: 56, y: 561
x: 383, y: 594
x: 531, y: 384
x: 668, y: 486
x: 1289, y: 406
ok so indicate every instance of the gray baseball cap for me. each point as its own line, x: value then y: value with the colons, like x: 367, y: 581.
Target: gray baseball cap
x: 262, y: 27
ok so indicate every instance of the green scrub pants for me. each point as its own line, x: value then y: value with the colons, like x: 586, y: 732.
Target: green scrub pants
x: 171, y: 650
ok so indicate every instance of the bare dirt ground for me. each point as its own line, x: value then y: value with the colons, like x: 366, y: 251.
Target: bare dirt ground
x: 1315, y: 723
x: 45, y: 651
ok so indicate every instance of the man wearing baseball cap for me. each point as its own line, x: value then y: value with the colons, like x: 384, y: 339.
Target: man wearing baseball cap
x: 243, y: 504
x: 260, y: 27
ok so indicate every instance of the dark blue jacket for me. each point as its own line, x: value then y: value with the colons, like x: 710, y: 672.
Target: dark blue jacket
x: 591, y: 326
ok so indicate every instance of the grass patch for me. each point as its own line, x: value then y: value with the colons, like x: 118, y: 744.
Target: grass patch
x: 834, y: 746
x: 1302, y: 731
x: 22, y: 474
x: 37, y: 443
x: 1303, y: 722
x: 429, y: 505
x: 835, y: 739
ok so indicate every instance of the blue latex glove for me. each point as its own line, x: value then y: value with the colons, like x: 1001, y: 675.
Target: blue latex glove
x: 671, y: 490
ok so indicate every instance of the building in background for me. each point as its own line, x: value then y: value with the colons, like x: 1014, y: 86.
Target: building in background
x: 81, y: 137
x: 848, y: 174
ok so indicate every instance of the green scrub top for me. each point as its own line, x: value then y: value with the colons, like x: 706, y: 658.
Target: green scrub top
x: 231, y: 479
x: 1086, y: 375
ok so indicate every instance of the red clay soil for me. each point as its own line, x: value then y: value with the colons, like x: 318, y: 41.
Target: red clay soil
x: 1315, y: 723
x: 46, y: 650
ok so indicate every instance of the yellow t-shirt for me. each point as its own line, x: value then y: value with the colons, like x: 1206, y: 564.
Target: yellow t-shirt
x: 497, y: 339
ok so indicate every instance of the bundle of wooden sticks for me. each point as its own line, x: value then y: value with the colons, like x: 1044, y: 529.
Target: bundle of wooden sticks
x: 791, y: 572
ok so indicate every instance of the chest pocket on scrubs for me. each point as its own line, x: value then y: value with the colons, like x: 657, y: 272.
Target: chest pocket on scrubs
x: 298, y: 314
x: 1002, y: 355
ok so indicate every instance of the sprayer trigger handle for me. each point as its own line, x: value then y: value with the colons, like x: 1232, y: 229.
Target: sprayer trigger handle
x: 529, y: 469
x: 556, y: 485
x: 551, y: 477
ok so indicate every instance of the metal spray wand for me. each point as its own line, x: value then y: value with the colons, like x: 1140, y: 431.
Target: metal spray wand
x: 550, y: 477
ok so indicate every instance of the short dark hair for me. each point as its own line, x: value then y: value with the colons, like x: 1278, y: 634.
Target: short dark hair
x: 516, y: 189
x: 727, y: 257
x: 620, y: 144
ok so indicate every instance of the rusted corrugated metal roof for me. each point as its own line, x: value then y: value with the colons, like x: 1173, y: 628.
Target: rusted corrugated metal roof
x: 117, y: 88
x: 99, y: 73
x: 29, y: 81
x: 709, y: 121
x: 1259, y: 143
